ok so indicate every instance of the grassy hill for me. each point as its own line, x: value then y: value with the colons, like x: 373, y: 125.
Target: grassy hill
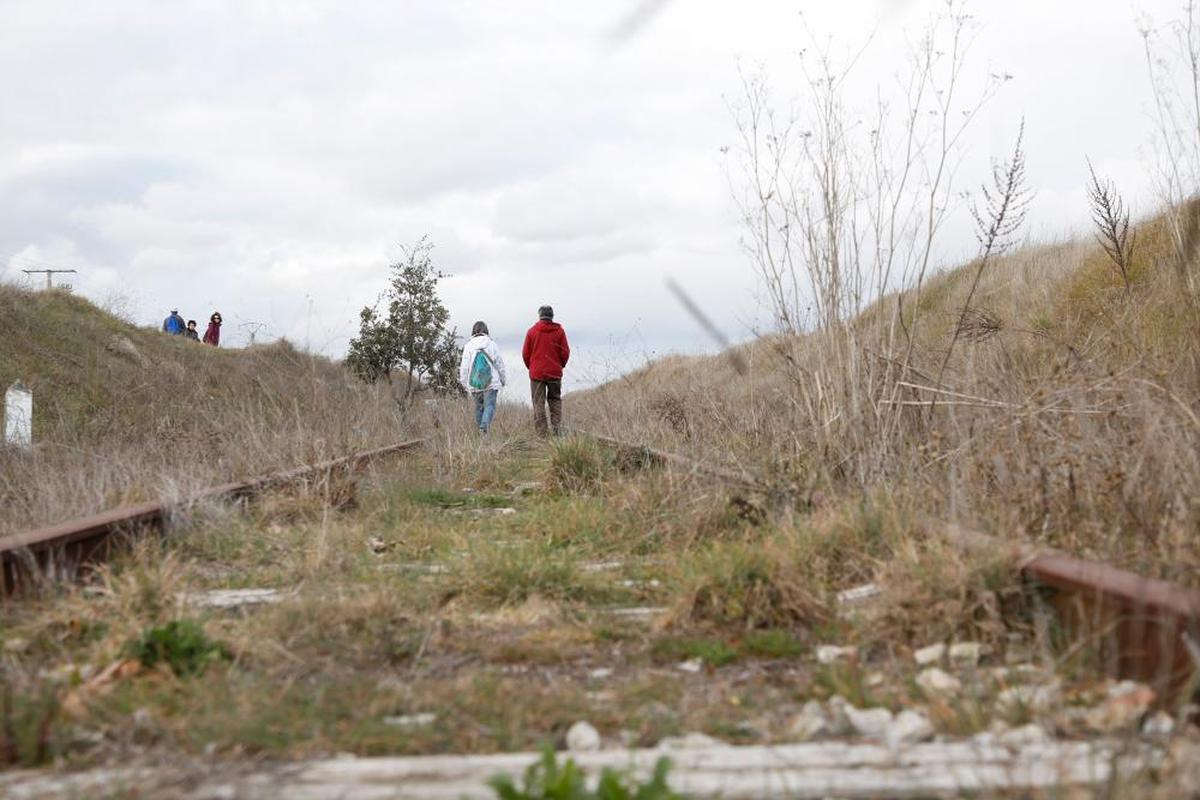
x: 1067, y: 411
x: 123, y: 413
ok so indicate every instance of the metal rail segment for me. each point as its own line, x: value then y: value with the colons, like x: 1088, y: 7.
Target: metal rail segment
x: 1140, y: 628
x: 90, y: 538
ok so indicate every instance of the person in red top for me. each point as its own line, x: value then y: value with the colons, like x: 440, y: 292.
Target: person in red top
x: 545, y: 354
x: 213, y: 334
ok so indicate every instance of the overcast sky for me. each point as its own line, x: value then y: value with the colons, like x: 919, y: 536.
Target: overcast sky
x: 267, y: 158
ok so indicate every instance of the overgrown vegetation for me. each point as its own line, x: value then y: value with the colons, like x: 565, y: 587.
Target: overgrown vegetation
x: 549, y: 780
x: 487, y: 595
x: 181, y: 644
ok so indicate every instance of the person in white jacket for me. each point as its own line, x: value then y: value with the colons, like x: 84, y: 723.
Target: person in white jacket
x: 481, y: 373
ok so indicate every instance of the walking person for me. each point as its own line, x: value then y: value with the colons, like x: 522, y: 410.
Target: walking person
x: 213, y: 334
x: 173, y: 324
x: 481, y: 373
x: 191, y: 332
x: 545, y: 353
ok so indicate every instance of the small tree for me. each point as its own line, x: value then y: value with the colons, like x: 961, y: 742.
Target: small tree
x: 409, y: 335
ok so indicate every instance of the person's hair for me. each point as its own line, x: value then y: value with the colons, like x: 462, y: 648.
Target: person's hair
x: 480, y: 327
x: 215, y: 316
x: 191, y: 322
x: 545, y: 312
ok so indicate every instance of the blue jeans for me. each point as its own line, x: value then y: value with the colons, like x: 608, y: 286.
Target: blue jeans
x: 485, y: 407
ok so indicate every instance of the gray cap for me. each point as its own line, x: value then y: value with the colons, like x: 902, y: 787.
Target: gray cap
x: 545, y: 312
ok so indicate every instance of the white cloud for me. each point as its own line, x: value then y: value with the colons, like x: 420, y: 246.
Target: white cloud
x: 268, y: 158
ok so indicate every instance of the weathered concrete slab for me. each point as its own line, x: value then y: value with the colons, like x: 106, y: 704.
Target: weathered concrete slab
x: 232, y: 598
x: 796, y: 771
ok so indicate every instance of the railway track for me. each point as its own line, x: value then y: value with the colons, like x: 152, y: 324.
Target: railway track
x: 1141, y: 628
x: 65, y: 547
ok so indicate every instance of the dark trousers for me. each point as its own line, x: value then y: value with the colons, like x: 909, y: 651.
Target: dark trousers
x: 547, y: 393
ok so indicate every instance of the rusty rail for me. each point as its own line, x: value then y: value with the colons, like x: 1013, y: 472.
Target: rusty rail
x: 76, y: 542
x: 1141, y: 628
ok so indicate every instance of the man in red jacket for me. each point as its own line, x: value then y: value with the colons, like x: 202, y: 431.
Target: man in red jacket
x: 546, y: 353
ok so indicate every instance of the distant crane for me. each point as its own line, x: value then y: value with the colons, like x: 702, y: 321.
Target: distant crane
x: 49, y: 273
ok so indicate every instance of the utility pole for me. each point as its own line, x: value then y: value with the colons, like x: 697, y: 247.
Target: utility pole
x: 50, y: 273
x: 254, y: 327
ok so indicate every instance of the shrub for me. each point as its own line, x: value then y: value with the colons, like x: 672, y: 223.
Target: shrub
x: 744, y: 585
x: 578, y: 465
x: 547, y: 780
x: 182, y: 644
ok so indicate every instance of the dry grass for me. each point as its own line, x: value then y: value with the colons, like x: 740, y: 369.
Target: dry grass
x: 1069, y: 416
x: 125, y: 415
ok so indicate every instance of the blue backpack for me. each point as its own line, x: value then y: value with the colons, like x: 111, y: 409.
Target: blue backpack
x: 481, y: 371
x: 174, y: 324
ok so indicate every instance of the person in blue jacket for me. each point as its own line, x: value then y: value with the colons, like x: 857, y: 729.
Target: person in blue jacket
x: 174, y: 324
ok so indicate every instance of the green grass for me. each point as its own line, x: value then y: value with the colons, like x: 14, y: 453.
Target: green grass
x: 31, y: 733
x: 773, y: 643
x: 181, y: 644
x: 547, y: 779
x: 714, y: 652
x: 719, y: 651
x: 445, y: 498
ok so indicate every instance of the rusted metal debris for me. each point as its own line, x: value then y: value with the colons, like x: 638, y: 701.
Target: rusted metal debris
x: 1140, y: 628
x: 86, y: 540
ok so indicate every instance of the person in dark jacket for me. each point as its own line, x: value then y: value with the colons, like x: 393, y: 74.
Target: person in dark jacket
x: 191, y: 332
x: 213, y: 334
x: 545, y: 353
x: 173, y: 324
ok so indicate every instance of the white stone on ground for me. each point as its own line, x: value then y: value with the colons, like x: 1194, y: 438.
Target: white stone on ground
x: 937, y: 682
x: 583, y: 738
x: 871, y: 723
x: 930, y: 655
x: 833, y: 654
x: 231, y: 598
x: 909, y: 727
x: 410, y: 720
x: 1035, y: 699
x: 811, y: 723
x: 691, y: 665
x: 1024, y: 736
x: 859, y: 594
x: 1159, y: 724
x: 601, y: 566
x: 966, y: 654
x: 1126, y: 703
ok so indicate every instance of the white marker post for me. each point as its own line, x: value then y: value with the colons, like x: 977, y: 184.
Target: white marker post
x: 18, y: 416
